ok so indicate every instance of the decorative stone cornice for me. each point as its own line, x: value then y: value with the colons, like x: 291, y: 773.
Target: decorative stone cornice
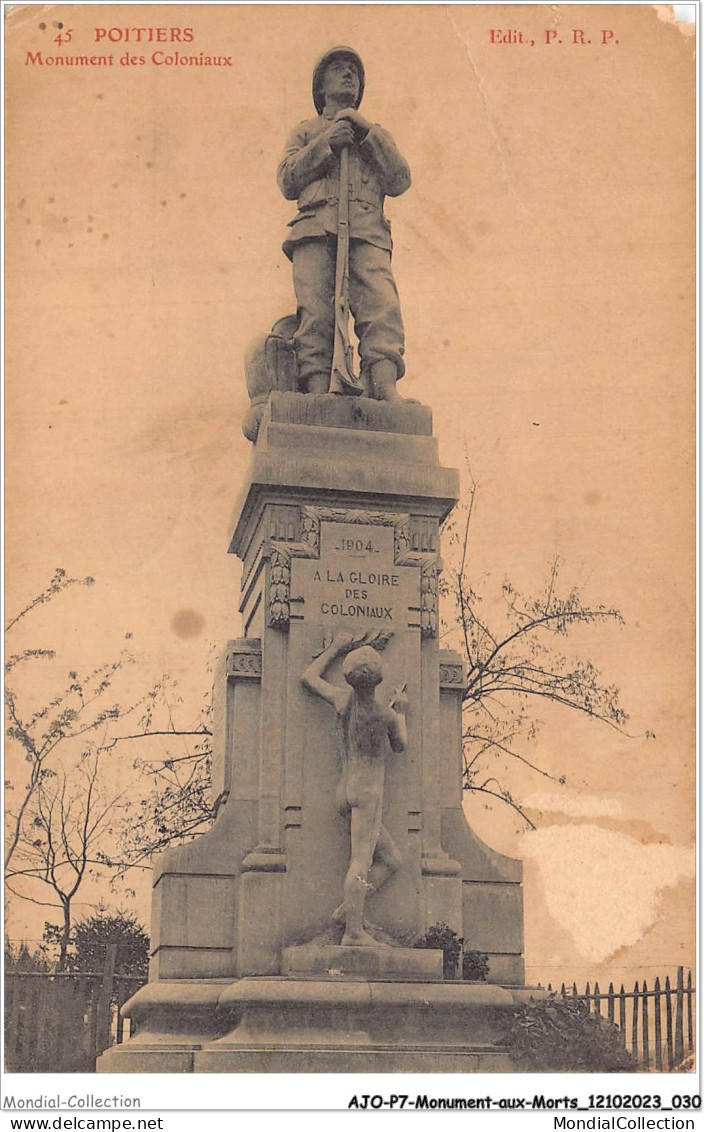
x: 245, y: 662
x: 452, y: 676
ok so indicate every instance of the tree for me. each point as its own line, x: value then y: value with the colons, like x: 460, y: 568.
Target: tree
x: 63, y: 822
x: 91, y: 937
x: 66, y: 834
x: 45, y: 728
x: 61, y: 826
x: 516, y: 662
x: 21, y: 959
x: 177, y: 806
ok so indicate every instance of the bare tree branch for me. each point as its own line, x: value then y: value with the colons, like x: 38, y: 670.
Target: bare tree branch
x: 58, y: 583
x: 514, y: 662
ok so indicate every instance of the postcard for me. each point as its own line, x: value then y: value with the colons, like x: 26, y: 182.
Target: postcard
x: 350, y: 542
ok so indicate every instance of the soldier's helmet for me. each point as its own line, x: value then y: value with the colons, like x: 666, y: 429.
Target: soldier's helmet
x: 335, y: 53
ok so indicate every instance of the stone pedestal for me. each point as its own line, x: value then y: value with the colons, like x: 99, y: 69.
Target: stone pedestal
x: 300, y: 1025
x: 326, y: 961
x: 337, y: 527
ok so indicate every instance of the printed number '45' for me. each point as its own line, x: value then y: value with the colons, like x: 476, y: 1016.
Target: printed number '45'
x: 64, y: 37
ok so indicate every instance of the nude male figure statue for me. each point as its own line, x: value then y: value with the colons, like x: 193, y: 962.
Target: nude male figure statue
x: 365, y: 730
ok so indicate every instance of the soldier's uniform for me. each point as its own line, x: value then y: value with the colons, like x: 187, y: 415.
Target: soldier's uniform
x: 310, y: 173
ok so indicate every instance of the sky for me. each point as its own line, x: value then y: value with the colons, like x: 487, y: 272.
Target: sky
x: 545, y: 261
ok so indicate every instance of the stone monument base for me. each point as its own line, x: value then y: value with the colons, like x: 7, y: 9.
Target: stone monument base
x: 317, y: 1025
x: 338, y: 532
x: 405, y: 964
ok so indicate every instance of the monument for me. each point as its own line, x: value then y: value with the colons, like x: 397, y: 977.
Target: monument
x: 282, y: 940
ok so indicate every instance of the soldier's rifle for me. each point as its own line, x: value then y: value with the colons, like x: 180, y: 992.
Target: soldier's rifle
x: 342, y: 377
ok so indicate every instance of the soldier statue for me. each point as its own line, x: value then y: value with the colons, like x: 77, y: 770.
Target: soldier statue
x: 340, y: 241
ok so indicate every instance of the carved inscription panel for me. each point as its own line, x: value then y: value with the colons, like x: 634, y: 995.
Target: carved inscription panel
x: 355, y: 581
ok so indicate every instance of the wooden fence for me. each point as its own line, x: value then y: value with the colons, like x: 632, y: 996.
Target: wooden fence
x: 656, y: 1026
x: 60, y: 1023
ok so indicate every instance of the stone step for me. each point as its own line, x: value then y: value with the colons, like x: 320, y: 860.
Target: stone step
x: 406, y: 964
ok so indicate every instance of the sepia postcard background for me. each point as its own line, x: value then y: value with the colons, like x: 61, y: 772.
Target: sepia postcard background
x: 545, y: 261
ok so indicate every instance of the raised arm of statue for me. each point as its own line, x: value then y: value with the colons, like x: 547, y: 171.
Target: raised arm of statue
x: 312, y: 678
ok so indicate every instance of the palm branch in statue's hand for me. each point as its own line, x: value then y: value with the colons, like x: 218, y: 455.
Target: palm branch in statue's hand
x: 344, y: 642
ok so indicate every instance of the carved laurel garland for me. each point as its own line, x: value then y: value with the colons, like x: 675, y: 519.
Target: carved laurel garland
x: 309, y: 547
x: 279, y: 587
x: 311, y: 518
x: 429, y: 570
x: 310, y: 529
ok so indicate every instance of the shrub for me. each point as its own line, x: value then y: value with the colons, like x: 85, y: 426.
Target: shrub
x: 560, y: 1035
x: 442, y: 937
x: 475, y: 966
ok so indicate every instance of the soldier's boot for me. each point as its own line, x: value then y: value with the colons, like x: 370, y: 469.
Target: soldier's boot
x: 318, y: 383
x: 384, y: 376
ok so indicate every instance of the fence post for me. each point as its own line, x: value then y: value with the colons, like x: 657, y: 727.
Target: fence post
x: 87, y: 994
x: 646, y: 1033
x: 634, y: 1024
x: 611, y: 1004
x: 657, y: 1008
x: 622, y: 1014
x: 679, y: 1017
x: 668, y: 1023
x: 690, y: 1042
x: 120, y: 1020
x: 102, y: 1029
x: 35, y: 1010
